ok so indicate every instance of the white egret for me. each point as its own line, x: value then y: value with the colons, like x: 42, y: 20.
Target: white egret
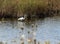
x: 21, y: 18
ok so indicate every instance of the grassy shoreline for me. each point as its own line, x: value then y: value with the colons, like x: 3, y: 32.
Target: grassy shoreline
x: 17, y: 8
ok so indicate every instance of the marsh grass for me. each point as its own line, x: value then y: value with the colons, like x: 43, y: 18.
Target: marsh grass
x: 16, y: 8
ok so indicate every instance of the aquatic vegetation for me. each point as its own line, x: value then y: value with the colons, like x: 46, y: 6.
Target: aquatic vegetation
x: 32, y: 8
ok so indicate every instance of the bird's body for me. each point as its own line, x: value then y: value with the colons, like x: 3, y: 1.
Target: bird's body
x: 21, y: 18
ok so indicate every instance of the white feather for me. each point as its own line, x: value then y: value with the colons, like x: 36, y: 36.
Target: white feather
x: 21, y: 18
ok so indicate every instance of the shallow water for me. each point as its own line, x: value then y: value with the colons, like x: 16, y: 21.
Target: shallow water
x: 14, y: 32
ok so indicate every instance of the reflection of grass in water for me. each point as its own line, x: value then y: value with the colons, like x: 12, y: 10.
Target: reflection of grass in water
x: 47, y: 42
x: 33, y: 20
x: 8, y: 19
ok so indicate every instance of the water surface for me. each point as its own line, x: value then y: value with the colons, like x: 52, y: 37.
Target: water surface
x: 47, y: 29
